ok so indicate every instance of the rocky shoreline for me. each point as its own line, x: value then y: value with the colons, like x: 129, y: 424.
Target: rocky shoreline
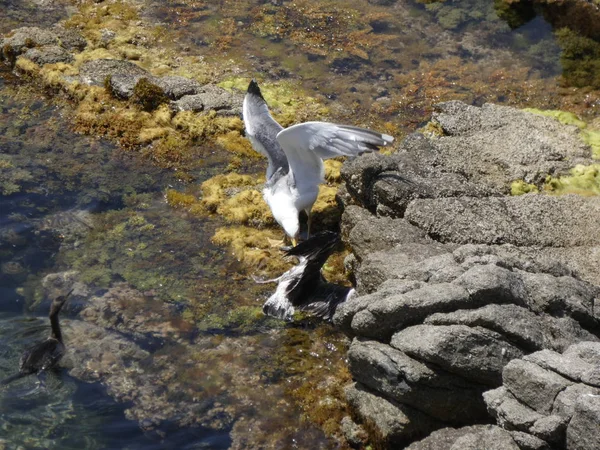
x: 477, y: 309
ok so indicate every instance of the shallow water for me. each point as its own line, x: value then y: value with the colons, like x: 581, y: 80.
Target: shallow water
x: 71, y: 202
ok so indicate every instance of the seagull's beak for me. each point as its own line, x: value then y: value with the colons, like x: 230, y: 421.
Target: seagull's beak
x: 294, y: 241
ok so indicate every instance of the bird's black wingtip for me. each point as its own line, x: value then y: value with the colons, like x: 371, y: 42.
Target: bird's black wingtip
x: 254, y: 89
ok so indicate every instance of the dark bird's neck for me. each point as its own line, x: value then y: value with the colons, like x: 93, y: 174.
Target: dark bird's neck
x: 56, y: 334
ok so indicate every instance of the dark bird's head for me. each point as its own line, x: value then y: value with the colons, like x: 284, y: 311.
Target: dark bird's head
x: 58, y: 303
x: 254, y: 89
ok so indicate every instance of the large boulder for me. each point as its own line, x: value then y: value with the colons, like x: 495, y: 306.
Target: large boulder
x: 464, y: 289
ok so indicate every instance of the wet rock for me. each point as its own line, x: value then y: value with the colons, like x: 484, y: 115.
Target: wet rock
x: 209, y: 98
x: 473, y: 438
x: 43, y: 46
x: 70, y: 38
x: 127, y: 310
x: 95, y: 72
x: 49, y: 54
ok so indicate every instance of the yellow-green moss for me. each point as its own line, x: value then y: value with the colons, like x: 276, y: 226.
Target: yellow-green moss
x: 583, y: 180
x: 178, y: 199
x: 563, y: 117
x: 254, y: 248
x: 520, y: 187
x: 216, y: 190
x: 235, y: 143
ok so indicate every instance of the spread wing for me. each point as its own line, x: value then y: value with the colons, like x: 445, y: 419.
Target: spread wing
x: 307, y: 144
x: 262, y: 129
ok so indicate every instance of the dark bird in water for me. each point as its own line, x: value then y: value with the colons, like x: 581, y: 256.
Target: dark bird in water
x: 296, y: 156
x: 43, y: 355
x: 303, y: 287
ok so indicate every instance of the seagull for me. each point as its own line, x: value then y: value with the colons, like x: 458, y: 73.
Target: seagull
x: 303, y: 287
x: 295, y: 156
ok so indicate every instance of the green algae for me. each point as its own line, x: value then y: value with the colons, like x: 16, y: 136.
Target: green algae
x: 582, y: 180
x: 520, y: 187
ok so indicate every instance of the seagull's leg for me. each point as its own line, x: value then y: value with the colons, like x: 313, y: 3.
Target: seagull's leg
x: 308, y: 222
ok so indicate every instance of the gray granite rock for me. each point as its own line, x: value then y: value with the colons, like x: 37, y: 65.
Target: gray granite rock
x: 474, y: 437
x: 49, y: 54
x: 583, y: 432
x: 527, y: 441
x: 95, y: 72
x: 568, y: 365
x: 563, y: 296
x: 396, y: 423
x: 408, y: 261
x: 513, y: 220
x: 476, y: 354
x: 526, y: 329
x: 393, y: 373
x: 508, y: 411
x: 532, y: 385
x: 565, y: 401
x: 385, y: 315
x: 176, y: 87
x: 209, y: 98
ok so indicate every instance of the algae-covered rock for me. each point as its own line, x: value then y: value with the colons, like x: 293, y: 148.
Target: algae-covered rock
x: 49, y: 54
x: 95, y: 72
x: 211, y: 97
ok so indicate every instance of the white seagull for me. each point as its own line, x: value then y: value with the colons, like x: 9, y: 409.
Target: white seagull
x: 303, y: 287
x: 296, y: 156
